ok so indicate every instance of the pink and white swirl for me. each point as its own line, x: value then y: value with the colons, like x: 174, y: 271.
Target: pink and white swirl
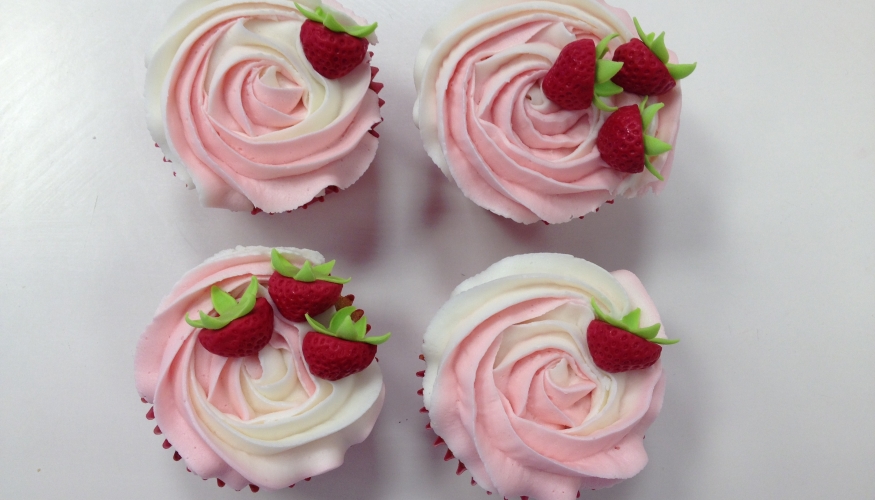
x: 264, y: 419
x: 231, y: 99
x: 511, y: 388
x: 486, y: 123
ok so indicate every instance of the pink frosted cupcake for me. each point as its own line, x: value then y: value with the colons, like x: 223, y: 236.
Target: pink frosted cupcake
x: 515, y: 99
x: 543, y: 374
x: 244, y: 102
x: 258, y: 370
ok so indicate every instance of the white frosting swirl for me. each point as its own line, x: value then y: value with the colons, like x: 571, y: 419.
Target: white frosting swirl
x: 231, y: 97
x: 512, y: 389
x: 263, y: 419
x: 486, y: 123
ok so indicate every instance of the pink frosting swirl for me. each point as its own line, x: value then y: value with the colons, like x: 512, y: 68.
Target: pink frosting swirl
x: 231, y: 97
x: 486, y: 123
x: 512, y: 389
x: 263, y: 419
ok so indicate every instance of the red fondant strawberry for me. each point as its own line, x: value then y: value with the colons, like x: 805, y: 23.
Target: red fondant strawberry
x: 646, y: 70
x: 242, y: 327
x: 580, y: 76
x: 622, y: 345
x: 305, y: 290
x: 341, y: 349
x: 333, y: 50
x: 623, y: 144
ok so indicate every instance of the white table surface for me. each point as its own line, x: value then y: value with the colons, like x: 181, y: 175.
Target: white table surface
x: 759, y: 254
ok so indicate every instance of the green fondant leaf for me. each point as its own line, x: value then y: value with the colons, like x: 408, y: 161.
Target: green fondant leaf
x: 679, y: 71
x: 648, y: 333
x: 339, y: 316
x: 658, y: 48
x: 631, y: 320
x: 652, y: 169
x: 331, y: 23
x: 665, y: 341
x: 602, y: 48
x: 328, y: 20
x: 655, y: 147
x: 222, y: 300
x: 313, y: 16
x: 641, y: 33
x: 605, y: 70
x: 361, y: 31
x: 306, y: 274
x: 361, y: 327
x: 631, y: 323
x: 317, y: 326
x: 282, y: 265
x: 346, y: 329
x: 649, y: 113
x: 602, y: 106
x: 324, y: 269
x: 606, y: 89
x: 376, y: 340
x: 228, y: 308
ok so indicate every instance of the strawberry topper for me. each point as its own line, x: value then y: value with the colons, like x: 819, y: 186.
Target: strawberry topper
x: 343, y: 327
x: 340, y: 349
x: 227, y: 306
x: 242, y: 328
x: 621, y: 345
x: 327, y: 19
x: 333, y: 49
x: 307, y: 273
x: 647, y: 70
x: 579, y: 76
x: 623, y: 142
x: 631, y: 324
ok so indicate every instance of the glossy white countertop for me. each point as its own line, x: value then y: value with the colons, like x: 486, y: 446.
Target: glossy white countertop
x: 760, y: 255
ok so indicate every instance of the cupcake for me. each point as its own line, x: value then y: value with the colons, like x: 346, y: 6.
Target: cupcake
x: 515, y: 101
x: 543, y: 374
x: 264, y: 106
x: 258, y: 370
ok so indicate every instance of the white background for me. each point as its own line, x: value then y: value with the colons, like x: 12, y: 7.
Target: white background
x: 759, y: 254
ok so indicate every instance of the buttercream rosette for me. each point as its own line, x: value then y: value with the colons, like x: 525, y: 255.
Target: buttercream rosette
x: 486, y: 123
x: 233, y: 102
x: 512, y: 390
x: 262, y: 420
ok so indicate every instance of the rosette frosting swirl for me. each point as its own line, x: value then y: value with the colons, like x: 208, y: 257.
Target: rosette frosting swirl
x: 231, y: 97
x: 486, y: 123
x: 263, y: 419
x: 512, y: 389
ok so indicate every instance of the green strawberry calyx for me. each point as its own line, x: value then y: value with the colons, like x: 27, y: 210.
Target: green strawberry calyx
x: 630, y: 323
x: 656, y: 44
x: 604, y: 71
x: 227, y: 306
x: 652, y: 145
x: 343, y: 327
x: 327, y: 19
x: 308, y: 273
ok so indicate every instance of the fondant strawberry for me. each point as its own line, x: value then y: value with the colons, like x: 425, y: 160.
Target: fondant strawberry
x: 309, y: 289
x: 334, y: 50
x: 341, y: 349
x: 622, y: 345
x: 242, y: 327
x: 580, y: 76
x: 646, y: 70
x: 623, y: 144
